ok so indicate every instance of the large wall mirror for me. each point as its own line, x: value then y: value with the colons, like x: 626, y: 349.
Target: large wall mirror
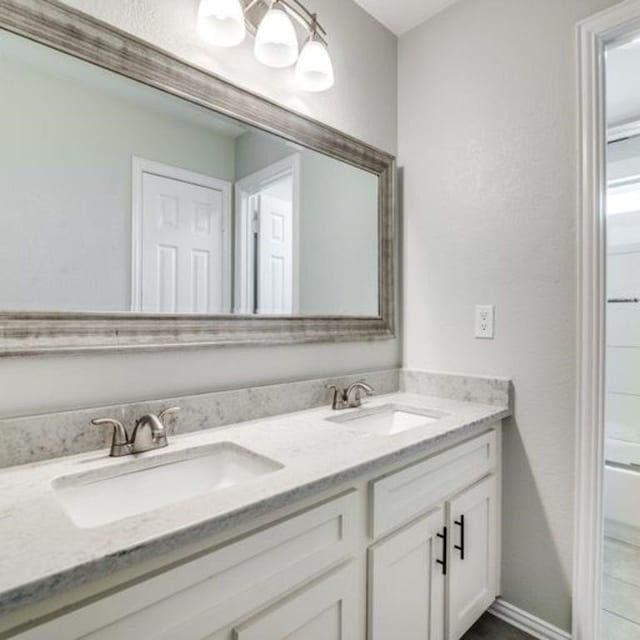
x: 146, y: 203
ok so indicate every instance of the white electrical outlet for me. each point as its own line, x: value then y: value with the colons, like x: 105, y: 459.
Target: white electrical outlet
x: 485, y: 321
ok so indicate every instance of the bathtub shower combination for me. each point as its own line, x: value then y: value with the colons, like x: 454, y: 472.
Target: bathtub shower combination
x: 622, y: 447
x: 621, y: 579
x: 622, y: 490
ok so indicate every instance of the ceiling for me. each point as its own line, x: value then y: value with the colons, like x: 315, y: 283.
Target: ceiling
x: 623, y: 88
x: 401, y: 15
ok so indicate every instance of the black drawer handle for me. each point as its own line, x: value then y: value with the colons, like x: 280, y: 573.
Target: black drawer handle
x: 443, y: 562
x: 460, y: 547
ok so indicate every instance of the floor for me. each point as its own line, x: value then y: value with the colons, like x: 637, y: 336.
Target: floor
x: 621, y: 600
x: 621, y: 591
x: 491, y: 628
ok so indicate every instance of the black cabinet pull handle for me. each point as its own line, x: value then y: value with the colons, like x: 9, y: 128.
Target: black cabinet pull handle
x: 443, y: 562
x: 460, y: 547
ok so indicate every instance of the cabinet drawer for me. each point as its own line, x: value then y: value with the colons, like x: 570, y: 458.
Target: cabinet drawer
x: 325, y: 609
x: 399, y: 497
x: 216, y: 589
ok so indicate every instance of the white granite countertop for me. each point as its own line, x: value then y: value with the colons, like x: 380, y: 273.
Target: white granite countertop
x: 44, y: 553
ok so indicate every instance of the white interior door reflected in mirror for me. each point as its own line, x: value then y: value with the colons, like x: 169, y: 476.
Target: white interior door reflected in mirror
x: 267, y: 249
x: 181, y: 237
x: 275, y: 252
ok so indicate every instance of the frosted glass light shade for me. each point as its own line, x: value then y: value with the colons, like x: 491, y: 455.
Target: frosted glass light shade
x: 276, y: 41
x: 314, y: 71
x: 221, y: 22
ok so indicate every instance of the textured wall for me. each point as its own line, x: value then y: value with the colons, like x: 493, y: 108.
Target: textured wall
x: 363, y: 103
x: 487, y: 142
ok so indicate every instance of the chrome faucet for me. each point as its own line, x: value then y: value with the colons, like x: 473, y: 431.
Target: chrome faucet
x: 148, y: 433
x: 351, y: 397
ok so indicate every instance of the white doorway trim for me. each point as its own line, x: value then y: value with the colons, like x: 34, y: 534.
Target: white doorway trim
x: 140, y: 166
x: 245, y: 188
x: 617, y: 23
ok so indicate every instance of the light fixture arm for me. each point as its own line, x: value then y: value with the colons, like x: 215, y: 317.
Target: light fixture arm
x: 308, y: 18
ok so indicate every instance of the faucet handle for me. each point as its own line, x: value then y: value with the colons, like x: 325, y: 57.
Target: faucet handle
x: 338, y: 396
x: 120, y: 436
x: 168, y: 411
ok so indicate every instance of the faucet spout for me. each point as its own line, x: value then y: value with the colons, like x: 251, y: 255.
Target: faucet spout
x: 149, y: 433
x: 351, y: 397
x: 153, y: 422
x: 353, y: 394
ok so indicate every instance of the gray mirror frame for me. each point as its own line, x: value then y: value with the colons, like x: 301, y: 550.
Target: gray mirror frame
x: 78, y: 34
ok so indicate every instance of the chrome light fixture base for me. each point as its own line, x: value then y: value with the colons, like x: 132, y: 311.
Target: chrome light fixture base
x: 277, y: 37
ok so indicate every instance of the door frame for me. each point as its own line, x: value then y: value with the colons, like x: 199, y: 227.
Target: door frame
x: 245, y: 188
x: 594, y: 34
x: 140, y: 166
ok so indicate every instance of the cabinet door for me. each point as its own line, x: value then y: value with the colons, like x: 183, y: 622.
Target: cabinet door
x: 325, y: 609
x: 406, y: 582
x: 472, y: 523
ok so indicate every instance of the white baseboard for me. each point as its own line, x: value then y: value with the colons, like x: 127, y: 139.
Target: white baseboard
x: 526, y: 622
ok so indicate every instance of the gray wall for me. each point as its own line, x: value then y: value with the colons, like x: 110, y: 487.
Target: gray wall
x: 363, y: 103
x: 255, y: 151
x: 338, y: 238
x: 487, y: 140
x: 68, y: 133
x: 338, y: 269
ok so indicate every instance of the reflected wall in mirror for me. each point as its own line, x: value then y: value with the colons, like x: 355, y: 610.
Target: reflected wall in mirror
x: 119, y: 197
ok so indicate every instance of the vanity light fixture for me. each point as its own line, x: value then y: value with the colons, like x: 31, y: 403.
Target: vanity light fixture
x: 314, y: 71
x: 276, y: 40
x: 224, y: 23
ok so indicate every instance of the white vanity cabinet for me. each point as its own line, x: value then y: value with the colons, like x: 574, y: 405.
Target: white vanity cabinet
x: 432, y: 578
x: 239, y: 591
x: 411, y: 554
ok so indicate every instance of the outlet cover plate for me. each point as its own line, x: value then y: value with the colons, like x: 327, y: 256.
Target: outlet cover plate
x: 485, y: 321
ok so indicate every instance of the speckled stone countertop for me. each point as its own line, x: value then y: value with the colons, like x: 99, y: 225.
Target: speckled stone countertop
x: 44, y: 553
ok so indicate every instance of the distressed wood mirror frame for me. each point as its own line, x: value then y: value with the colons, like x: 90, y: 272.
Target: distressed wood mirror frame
x: 75, y: 33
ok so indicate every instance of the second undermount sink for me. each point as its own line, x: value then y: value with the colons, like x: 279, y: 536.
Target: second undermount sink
x: 97, y: 498
x: 388, y: 419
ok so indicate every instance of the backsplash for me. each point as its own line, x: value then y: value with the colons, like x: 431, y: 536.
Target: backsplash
x: 34, y: 438
x: 457, y: 386
x: 42, y: 437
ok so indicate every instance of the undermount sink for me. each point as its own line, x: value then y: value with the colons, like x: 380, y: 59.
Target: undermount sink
x: 388, y: 419
x: 97, y: 498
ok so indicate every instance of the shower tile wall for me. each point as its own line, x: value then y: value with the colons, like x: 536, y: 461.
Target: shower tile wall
x: 623, y: 281
x: 621, y: 579
x: 623, y: 340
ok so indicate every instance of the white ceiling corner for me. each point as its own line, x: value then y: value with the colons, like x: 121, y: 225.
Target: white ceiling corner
x: 399, y: 16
